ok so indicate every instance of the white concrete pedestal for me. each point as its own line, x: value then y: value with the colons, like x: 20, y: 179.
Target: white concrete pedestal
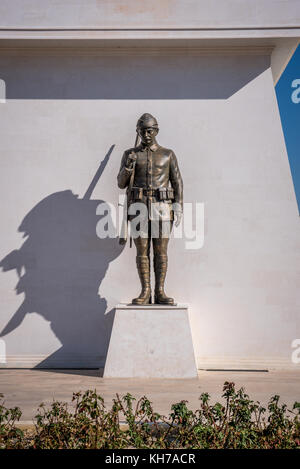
x: 151, y: 342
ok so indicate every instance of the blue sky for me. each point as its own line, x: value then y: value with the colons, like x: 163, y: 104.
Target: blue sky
x: 288, y: 97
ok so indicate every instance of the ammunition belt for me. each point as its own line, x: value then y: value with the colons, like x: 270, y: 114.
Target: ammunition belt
x: 162, y: 193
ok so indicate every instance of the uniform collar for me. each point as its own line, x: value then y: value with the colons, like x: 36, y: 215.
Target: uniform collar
x: 153, y: 147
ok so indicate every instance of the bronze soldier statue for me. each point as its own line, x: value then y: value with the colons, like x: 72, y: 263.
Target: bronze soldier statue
x: 152, y: 177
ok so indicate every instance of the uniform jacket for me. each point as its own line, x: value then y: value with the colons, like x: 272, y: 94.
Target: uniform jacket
x: 156, y: 167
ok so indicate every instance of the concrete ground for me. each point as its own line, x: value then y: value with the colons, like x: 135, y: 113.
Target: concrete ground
x: 28, y: 388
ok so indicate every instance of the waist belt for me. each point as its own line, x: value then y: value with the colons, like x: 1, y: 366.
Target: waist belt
x: 162, y: 193
x: 149, y: 192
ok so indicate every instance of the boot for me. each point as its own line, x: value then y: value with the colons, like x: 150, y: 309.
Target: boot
x: 160, y: 269
x: 143, y: 266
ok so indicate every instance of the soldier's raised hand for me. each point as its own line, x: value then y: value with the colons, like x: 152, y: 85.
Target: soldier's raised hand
x: 178, y: 218
x: 131, y: 159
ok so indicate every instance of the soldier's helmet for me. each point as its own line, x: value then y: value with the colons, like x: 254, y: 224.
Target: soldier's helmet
x: 147, y: 120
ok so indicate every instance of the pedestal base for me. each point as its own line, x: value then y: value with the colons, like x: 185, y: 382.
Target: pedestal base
x: 151, y: 342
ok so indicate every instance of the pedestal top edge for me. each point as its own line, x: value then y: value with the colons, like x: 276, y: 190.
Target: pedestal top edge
x: 154, y: 306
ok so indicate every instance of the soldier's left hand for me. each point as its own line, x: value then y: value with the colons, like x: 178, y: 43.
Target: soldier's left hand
x: 178, y: 218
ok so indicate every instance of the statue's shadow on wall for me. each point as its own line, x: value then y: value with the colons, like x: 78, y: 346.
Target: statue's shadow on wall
x: 60, y: 266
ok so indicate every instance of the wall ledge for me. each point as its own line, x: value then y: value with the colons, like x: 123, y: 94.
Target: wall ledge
x: 136, y: 51
x: 203, y: 363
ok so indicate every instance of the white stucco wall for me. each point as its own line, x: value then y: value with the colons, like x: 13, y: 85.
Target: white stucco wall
x: 219, y: 114
x: 144, y: 14
x: 281, y: 56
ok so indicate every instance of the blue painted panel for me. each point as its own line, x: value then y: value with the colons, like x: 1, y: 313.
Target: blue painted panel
x: 288, y: 97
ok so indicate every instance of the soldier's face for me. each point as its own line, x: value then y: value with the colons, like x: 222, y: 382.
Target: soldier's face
x: 148, y: 134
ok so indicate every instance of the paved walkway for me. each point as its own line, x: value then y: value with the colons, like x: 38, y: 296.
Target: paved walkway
x: 28, y: 388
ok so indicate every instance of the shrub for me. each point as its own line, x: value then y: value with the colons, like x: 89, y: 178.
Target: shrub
x: 10, y: 435
x: 237, y: 423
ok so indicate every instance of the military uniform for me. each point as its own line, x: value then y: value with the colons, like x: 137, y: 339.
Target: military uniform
x: 157, y: 183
